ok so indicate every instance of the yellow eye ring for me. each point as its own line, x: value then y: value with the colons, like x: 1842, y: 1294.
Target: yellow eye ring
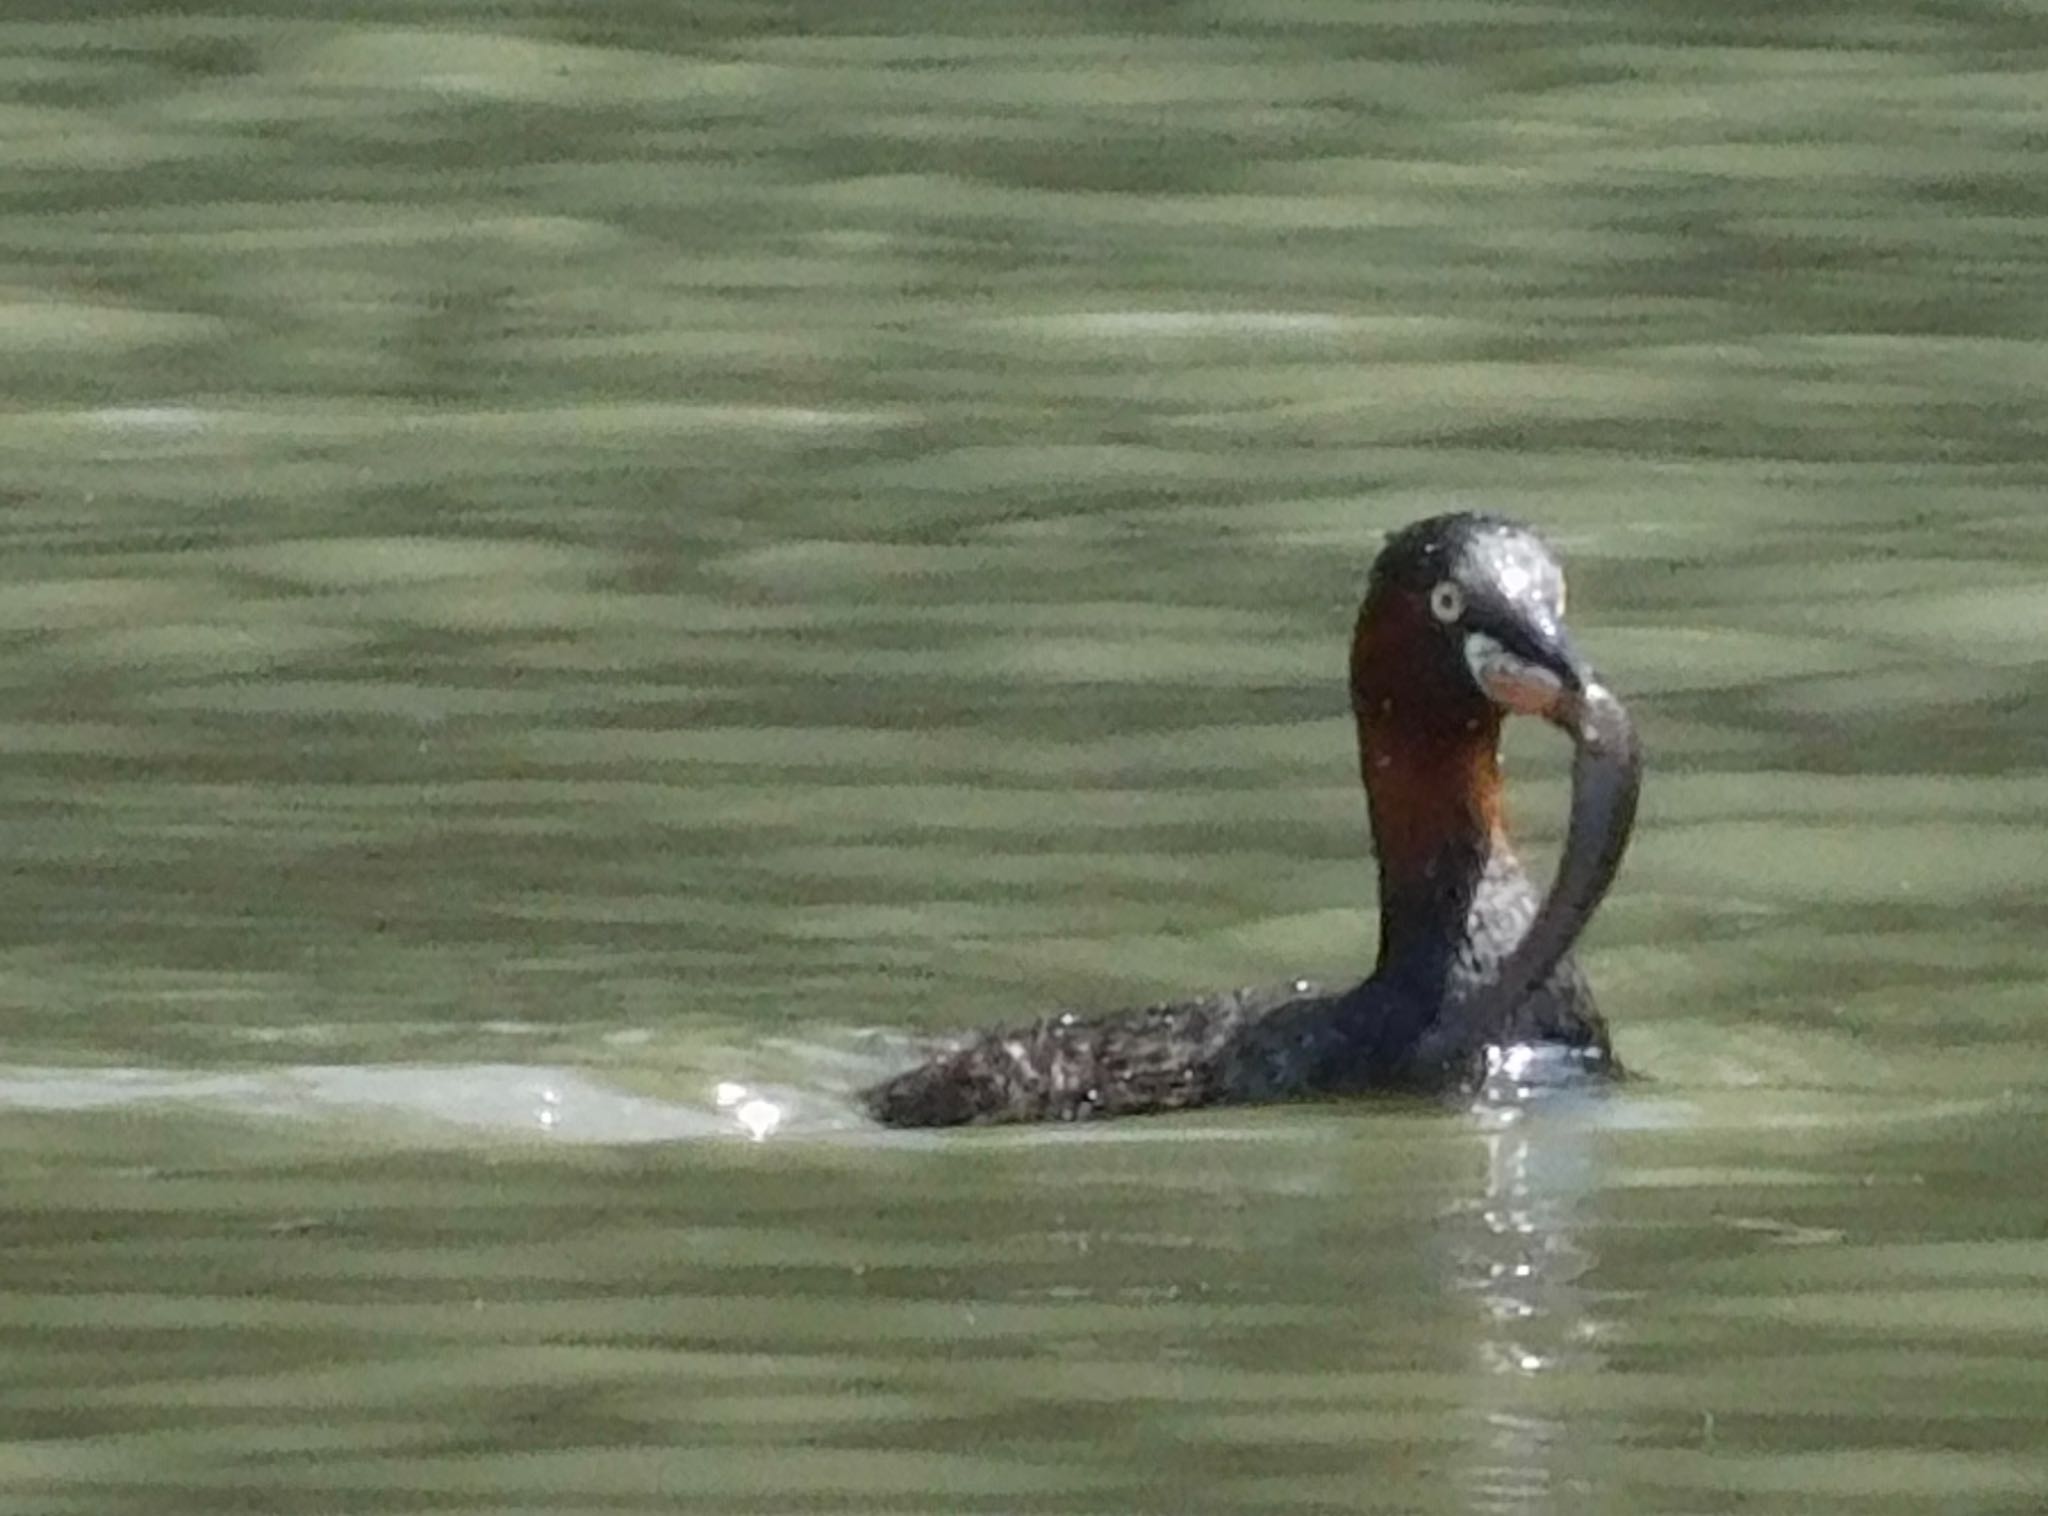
x: 1446, y: 602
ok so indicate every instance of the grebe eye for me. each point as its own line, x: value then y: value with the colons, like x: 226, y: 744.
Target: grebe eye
x: 1447, y: 602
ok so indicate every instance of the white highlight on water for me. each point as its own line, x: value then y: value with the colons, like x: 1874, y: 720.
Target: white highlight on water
x: 407, y: 1101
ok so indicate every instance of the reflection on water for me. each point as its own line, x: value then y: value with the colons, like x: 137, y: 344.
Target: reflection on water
x: 1515, y: 1250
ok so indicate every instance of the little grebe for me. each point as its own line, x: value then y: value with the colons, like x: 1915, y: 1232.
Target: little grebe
x: 1462, y: 623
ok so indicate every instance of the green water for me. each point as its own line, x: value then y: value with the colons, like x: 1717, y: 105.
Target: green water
x: 561, y: 556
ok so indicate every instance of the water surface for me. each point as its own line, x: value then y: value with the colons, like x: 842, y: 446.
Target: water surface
x: 579, y: 577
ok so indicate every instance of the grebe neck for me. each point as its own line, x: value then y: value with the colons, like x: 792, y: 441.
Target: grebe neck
x: 1433, y: 791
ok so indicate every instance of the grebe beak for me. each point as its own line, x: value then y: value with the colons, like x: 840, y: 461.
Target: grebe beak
x: 1529, y: 667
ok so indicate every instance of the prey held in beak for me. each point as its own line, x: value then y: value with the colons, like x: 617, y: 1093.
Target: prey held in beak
x: 1606, y: 780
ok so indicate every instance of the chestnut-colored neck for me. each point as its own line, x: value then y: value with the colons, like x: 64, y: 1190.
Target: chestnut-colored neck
x: 1429, y: 751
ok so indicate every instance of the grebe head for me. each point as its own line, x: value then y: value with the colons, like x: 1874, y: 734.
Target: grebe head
x: 1466, y: 612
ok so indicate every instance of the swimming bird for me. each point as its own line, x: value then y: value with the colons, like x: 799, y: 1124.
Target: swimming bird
x: 1462, y: 625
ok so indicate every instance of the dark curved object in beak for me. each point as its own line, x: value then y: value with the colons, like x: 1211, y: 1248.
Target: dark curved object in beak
x: 1607, y: 777
x: 1606, y: 780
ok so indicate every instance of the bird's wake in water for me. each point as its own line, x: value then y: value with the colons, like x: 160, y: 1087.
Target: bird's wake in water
x: 428, y: 1104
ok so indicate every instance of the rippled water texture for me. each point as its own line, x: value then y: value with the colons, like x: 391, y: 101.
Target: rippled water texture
x: 578, y: 577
